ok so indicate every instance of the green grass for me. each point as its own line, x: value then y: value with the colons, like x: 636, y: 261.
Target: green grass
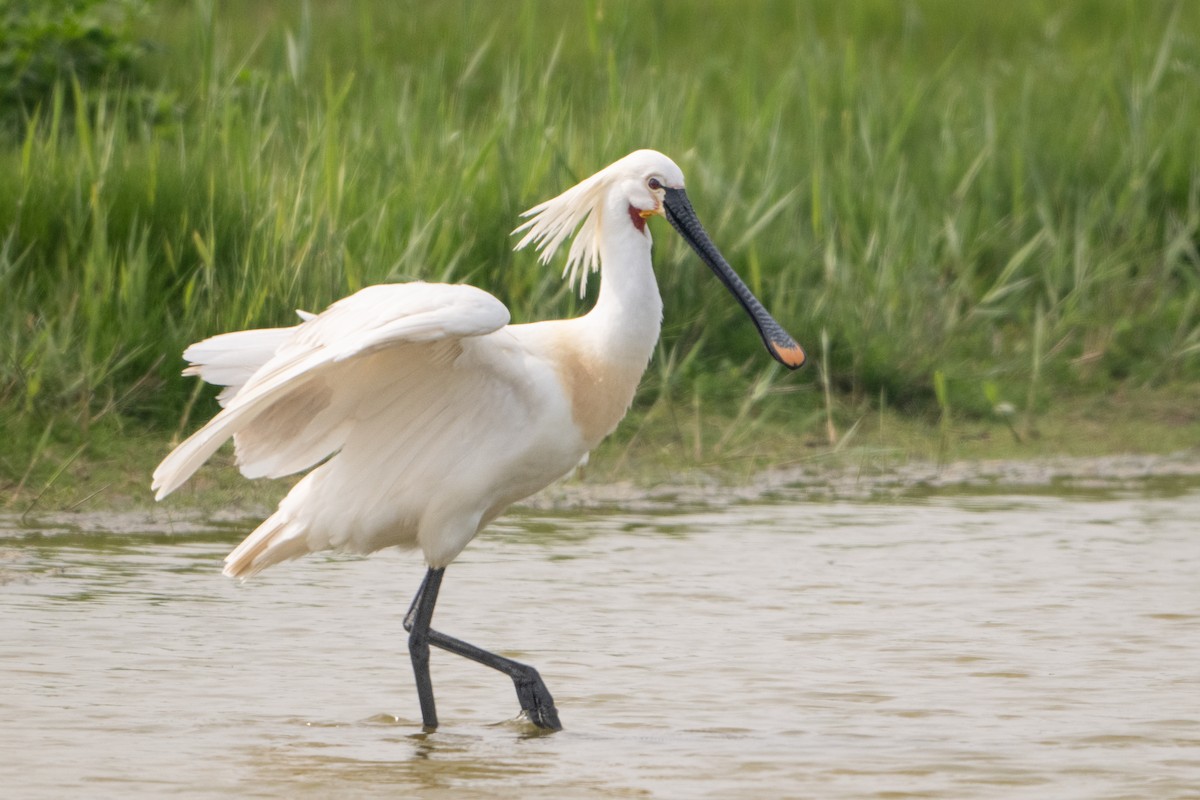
x: 970, y: 205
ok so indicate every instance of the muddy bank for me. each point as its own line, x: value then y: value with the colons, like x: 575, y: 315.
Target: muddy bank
x: 865, y: 479
x: 856, y: 478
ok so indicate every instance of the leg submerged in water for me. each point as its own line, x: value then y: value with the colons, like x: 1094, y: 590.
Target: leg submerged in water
x: 532, y: 694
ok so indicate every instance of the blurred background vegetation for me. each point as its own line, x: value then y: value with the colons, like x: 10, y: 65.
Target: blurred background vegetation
x: 971, y: 214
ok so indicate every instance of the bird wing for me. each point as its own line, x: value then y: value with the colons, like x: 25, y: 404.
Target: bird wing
x: 288, y: 411
x: 231, y: 359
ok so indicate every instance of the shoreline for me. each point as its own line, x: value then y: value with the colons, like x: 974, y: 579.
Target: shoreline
x: 914, y: 480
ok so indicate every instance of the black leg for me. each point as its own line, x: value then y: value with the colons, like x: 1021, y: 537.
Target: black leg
x: 532, y: 693
x: 416, y: 622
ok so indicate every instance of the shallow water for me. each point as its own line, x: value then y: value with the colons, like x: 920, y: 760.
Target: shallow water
x: 957, y: 647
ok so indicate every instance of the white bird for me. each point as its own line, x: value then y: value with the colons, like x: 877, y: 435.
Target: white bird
x: 424, y: 414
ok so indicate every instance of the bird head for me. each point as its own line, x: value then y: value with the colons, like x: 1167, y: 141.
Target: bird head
x: 647, y: 183
x: 635, y: 181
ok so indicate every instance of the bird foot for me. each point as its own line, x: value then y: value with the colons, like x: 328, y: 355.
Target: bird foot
x: 536, y: 702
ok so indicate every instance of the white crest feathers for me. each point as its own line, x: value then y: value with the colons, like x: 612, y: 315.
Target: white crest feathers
x: 580, y: 207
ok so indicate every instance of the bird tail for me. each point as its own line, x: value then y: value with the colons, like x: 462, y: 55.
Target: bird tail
x: 278, y: 538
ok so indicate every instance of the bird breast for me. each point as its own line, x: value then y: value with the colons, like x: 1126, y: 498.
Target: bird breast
x: 600, y: 390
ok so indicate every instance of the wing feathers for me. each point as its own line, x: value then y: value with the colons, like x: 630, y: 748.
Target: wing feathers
x: 230, y: 359
x: 298, y: 384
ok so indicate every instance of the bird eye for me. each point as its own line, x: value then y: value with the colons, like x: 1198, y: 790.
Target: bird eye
x: 654, y: 184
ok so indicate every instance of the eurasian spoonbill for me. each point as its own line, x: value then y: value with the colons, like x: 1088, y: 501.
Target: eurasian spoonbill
x: 428, y: 414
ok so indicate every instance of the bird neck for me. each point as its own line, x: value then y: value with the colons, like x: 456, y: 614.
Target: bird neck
x: 627, y: 317
x: 601, y: 356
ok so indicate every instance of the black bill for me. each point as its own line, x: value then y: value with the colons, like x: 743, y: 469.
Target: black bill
x: 683, y: 218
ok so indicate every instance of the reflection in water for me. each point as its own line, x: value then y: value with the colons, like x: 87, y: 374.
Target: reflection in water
x: 950, y: 647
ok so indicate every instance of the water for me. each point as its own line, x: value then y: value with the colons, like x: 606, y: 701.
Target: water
x: 956, y: 647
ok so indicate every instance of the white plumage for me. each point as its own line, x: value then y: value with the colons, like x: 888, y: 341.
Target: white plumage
x: 431, y: 414
x: 402, y: 382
